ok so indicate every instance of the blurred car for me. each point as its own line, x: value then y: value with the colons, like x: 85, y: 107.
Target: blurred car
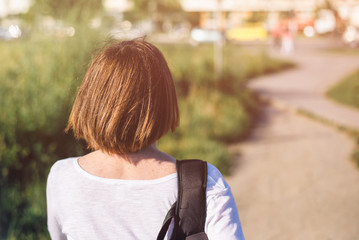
x: 201, y: 35
x: 247, y: 33
x: 10, y: 33
x: 351, y: 36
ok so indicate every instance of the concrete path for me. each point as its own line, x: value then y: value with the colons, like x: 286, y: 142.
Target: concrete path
x: 294, y: 178
x: 304, y: 87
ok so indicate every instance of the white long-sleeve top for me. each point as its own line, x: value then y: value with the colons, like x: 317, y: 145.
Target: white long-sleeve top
x: 84, y: 206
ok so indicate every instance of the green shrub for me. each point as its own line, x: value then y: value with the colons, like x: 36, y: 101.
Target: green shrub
x: 184, y: 147
x: 38, y: 81
x: 208, y: 119
x: 218, y: 115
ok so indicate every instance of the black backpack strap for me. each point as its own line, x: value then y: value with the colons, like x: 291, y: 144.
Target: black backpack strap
x: 191, y: 203
x: 166, y: 223
x: 190, y: 209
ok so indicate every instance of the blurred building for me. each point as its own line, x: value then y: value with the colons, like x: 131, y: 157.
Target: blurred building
x: 234, y: 12
x: 13, y: 7
x: 253, y: 18
x: 249, y: 5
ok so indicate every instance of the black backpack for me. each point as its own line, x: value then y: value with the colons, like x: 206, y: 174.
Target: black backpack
x: 189, y: 211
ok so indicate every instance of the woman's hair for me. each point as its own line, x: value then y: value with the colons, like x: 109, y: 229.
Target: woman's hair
x: 127, y: 99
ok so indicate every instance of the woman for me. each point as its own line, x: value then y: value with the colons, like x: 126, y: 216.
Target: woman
x: 124, y: 188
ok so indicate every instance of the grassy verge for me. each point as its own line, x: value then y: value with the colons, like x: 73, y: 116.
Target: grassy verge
x: 350, y: 132
x: 342, y: 51
x: 347, y: 92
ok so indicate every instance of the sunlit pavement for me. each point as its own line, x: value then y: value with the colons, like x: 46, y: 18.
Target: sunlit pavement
x: 294, y: 178
x: 304, y: 87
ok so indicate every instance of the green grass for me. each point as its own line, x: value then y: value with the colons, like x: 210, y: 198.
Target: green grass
x: 352, y: 133
x: 342, y: 51
x: 346, y: 91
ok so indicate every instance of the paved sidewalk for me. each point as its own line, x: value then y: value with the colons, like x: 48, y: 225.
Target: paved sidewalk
x: 304, y: 87
x: 295, y: 181
x: 294, y: 178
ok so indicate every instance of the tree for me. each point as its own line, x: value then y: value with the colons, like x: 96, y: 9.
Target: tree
x: 70, y: 10
x: 340, y: 23
x: 157, y: 11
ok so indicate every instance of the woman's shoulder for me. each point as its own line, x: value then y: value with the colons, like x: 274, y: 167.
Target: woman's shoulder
x: 215, y: 181
x: 61, y: 167
x: 64, y: 164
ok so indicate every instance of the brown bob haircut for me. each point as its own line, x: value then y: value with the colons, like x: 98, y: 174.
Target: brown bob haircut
x: 127, y: 99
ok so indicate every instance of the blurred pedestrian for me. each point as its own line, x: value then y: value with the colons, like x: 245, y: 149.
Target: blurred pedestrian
x: 124, y: 188
x: 287, y: 42
x: 277, y: 35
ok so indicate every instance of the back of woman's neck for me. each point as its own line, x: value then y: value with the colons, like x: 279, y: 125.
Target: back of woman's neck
x: 149, y: 163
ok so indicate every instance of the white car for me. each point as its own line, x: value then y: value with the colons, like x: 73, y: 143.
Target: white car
x: 200, y: 35
x: 10, y: 33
